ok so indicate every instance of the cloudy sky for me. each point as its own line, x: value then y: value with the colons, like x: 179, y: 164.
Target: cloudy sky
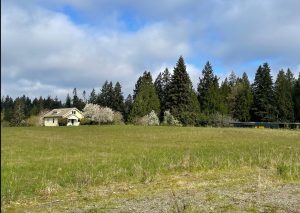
x: 48, y: 47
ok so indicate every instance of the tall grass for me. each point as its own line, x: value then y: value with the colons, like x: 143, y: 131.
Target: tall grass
x: 38, y: 160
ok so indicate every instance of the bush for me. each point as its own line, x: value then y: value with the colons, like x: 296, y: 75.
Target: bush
x: 169, y: 119
x: 97, y: 114
x: 33, y: 120
x: 202, y: 119
x: 62, y: 121
x: 5, y: 124
x: 188, y: 118
x: 85, y: 121
x: 148, y: 120
x: 219, y: 120
x: 118, y: 118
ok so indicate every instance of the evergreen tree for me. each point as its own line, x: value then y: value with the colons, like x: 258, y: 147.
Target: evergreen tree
x: 145, y: 101
x: 161, y: 84
x: 297, y: 99
x: 48, y: 103
x: 181, y: 96
x: 208, y: 91
x: 84, y: 96
x: 127, y: 107
x: 145, y: 78
x: 240, y: 99
x: 232, y: 79
x: 106, y: 96
x: 284, y: 97
x: 68, y: 103
x: 8, y: 108
x: 93, y: 97
x: 118, y: 98
x: 19, y: 112
x: 76, y: 101
x: 263, y: 95
x: 225, y: 90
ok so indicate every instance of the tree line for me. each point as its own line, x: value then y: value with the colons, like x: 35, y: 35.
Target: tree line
x: 233, y: 99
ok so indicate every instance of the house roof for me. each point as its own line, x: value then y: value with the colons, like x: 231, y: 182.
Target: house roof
x: 59, y: 112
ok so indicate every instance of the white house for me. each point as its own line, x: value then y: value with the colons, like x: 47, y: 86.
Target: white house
x: 72, y: 115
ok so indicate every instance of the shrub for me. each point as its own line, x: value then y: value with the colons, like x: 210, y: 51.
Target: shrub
x: 219, y: 120
x: 62, y: 121
x: 118, y: 118
x: 33, y: 120
x: 188, y: 118
x: 97, y: 114
x: 148, y: 120
x: 85, y: 121
x: 169, y: 119
x: 201, y: 120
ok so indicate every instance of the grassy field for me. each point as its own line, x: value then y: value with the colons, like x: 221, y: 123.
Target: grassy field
x: 174, y: 169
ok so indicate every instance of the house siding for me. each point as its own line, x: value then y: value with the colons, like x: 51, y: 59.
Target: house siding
x: 49, y: 122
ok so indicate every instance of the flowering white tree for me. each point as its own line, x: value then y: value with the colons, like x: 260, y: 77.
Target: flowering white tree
x: 98, y: 114
x: 149, y: 120
x: 170, y: 120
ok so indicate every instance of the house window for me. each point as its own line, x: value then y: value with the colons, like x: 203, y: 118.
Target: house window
x: 53, y: 120
x: 73, y: 112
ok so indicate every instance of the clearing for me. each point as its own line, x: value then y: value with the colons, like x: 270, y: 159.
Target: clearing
x: 149, y: 169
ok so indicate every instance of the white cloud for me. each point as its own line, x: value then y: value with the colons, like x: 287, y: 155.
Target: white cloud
x: 50, y: 49
x: 47, y: 47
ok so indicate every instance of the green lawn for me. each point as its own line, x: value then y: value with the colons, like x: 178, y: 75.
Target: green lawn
x: 67, y: 164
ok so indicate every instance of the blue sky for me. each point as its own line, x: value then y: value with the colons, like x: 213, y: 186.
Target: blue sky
x: 50, y: 47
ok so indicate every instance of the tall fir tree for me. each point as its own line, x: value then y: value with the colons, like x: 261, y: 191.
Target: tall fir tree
x: 263, y: 95
x: 208, y: 91
x: 182, y: 100
x: 225, y: 90
x: 240, y: 99
x: 145, y: 78
x: 84, y: 96
x: 296, y: 98
x: 19, y: 112
x: 284, y: 97
x: 106, y: 96
x: 145, y: 101
x: 127, y: 107
x: 161, y: 84
x: 8, y: 108
x: 68, y: 103
x: 93, y: 97
x: 118, y: 98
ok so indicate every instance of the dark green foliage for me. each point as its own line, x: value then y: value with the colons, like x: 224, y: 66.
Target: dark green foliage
x: 263, y: 95
x: 85, y: 121
x: 208, y: 91
x: 93, y: 97
x: 106, y: 96
x: 127, y: 107
x: 225, y: 90
x: 182, y: 100
x: 84, y: 96
x: 145, y: 78
x: 284, y: 96
x: 8, y: 107
x: 240, y: 99
x: 145, y: 101
x: 118, y: 99
x: 19, y: 112
x: 76, y: 101
x: 161, y: 84
x: 297, y: 99
x: 68, y: 101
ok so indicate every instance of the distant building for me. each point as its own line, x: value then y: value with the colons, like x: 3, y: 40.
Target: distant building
x: 72, y: 117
